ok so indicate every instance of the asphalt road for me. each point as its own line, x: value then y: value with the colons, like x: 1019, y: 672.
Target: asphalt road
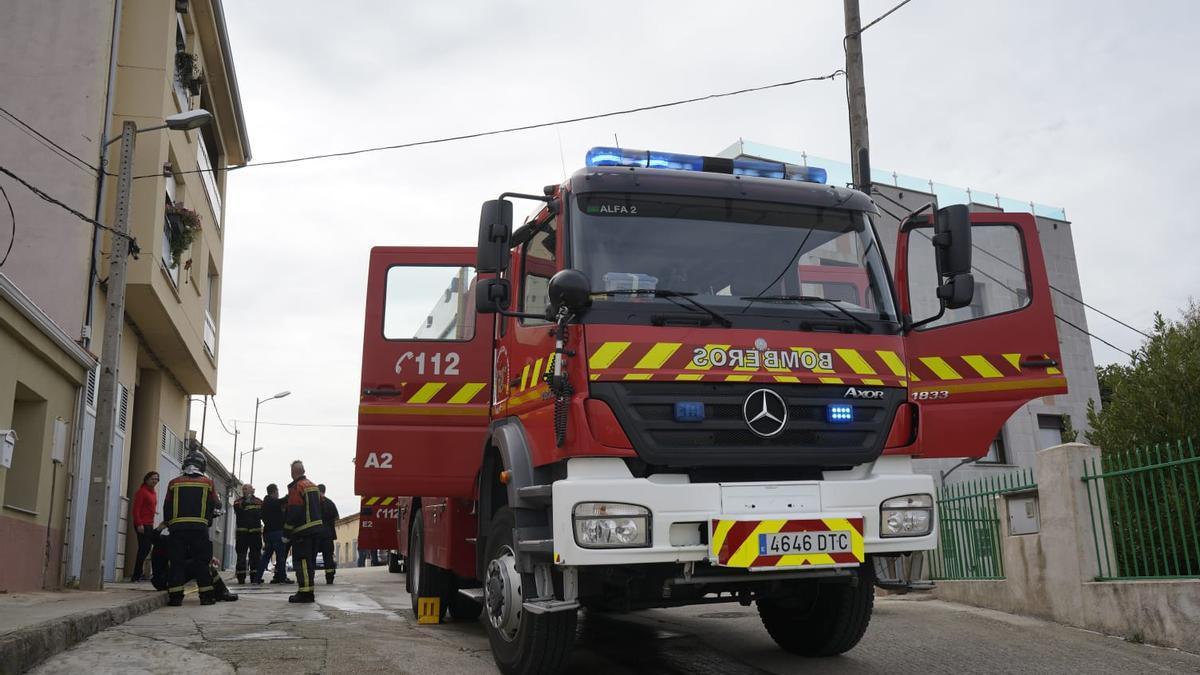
x: 363, y: 624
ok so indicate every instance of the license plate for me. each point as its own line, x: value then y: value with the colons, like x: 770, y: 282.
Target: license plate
x: 785, y: 543
x: 789, y: 543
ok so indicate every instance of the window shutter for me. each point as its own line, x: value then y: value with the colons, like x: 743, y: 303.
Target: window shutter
x: 91, y: 388
x: 123, y: 409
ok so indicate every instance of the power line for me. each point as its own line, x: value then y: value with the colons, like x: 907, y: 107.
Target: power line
x: 38, y: 136
x: 881, y: 17
x: 46, y: 197
x: 12, y: 216
x: 524, y: 127
x: 302, y: 424
x: 216, y: 410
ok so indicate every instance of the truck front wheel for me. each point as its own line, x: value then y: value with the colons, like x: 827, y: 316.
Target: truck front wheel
x: 821, y: 619
x: 522, y: 643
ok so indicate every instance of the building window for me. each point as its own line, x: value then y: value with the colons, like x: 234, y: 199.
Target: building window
x: 997, y: 453
x: 23, y: 478
x: 1050, y: 428
x: 170, y: 446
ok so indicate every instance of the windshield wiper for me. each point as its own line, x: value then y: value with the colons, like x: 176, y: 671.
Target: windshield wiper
x: 673, y: 296
x: 810, y: 298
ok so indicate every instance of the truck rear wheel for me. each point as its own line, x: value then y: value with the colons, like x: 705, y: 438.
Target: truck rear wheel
x: 424, y: 580
x: 522, y: 643
x: 821, y: 619
x: 395, y: 563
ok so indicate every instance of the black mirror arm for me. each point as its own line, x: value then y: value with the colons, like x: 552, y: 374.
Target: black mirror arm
x: 910, y: 220
x: 913, y: 326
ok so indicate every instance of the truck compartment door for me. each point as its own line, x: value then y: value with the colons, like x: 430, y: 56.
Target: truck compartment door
x: 973, y: 367
x: 426, y: 375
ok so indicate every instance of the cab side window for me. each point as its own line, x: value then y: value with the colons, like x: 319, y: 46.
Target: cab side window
x: 998, y: 264
x: 539, y: 262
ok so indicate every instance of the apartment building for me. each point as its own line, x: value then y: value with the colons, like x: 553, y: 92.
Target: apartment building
x: 71, y: 74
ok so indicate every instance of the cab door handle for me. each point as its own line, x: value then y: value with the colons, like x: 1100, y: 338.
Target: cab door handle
x: 386, y: 391
x: 1039, y: 363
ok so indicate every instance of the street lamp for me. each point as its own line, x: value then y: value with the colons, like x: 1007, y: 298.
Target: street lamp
x: 91, y: 569
x: 254, y: 433
x: 242, y: 459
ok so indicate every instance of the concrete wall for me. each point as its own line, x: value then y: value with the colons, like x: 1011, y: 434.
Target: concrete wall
x: 1050, y: 574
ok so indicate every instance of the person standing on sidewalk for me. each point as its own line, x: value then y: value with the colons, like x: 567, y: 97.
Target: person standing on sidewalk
x: 145, y: 503
x: 303, y: 529
x: 329, y: 518
x: 272, y: 520
x: 188, y: 510
x: 249, y: 535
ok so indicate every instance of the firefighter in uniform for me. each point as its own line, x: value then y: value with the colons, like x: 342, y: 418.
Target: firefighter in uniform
x: 248, y: 510
x: 329, y: 518
x: 303, y: 529
x: 188, y: 510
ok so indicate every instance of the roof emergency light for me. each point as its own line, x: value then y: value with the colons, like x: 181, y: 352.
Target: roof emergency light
x: 654, y: 159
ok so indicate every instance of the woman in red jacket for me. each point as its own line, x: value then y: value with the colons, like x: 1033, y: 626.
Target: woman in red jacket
x: 145, y: 501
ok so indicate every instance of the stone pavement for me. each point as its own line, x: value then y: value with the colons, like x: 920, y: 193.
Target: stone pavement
x: 35, y: 626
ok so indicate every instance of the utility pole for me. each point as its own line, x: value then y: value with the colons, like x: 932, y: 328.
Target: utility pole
x: 856, y: 99
x: 233, y: 462
x: 91, y: 572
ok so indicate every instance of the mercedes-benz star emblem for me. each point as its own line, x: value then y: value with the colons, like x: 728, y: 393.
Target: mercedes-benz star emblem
x: 765, y: 412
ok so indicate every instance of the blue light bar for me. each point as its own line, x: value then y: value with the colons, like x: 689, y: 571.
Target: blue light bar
x: 839, y: 413
x: 653, y: 159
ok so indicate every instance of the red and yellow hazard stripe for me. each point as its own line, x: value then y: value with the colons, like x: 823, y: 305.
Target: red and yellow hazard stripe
x: 735, y: 543
x: 381, y: 501
x: 434, y: 398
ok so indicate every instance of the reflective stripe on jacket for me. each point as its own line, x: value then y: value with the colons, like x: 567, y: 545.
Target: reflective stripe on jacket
x: 189, y: 503
x: 303, y: 509
x: 249, y: 514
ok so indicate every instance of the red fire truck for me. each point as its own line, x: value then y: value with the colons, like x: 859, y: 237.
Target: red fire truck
x: 686, y: 380
x: 377, y: 528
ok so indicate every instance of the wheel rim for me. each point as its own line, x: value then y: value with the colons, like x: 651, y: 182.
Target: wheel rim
x: 502, y: 594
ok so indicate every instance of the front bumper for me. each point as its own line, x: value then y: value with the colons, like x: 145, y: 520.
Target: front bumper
x: 681, y: 513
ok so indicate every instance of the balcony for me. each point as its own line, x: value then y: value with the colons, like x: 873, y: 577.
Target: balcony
x: 208, y: 178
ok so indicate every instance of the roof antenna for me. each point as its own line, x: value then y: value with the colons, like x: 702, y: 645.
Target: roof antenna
x: 618, y: 143
x: 560, y: 152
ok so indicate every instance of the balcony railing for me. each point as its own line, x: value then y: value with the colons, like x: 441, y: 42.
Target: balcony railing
x: 208, y: 178
x: 210, y: 335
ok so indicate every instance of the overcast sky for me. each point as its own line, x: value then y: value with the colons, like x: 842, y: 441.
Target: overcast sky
x: 1088, y: 105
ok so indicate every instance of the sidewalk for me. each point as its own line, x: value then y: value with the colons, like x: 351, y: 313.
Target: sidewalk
x: 36, y: 626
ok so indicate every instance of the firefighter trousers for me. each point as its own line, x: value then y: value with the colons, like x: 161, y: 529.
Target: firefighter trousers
x: 190, y: 552
x: 249, y: 542
x: 328, y: 559
x: 304, y: 559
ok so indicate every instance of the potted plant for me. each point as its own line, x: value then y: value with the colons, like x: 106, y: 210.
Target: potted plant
x: 185, y: 227
x: 187, y: 71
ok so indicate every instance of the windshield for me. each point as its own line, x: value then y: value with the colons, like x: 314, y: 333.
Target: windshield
x: 748, y: 260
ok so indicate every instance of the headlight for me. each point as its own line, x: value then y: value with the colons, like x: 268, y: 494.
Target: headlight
x: 608, y: 525
x: 907, y: 516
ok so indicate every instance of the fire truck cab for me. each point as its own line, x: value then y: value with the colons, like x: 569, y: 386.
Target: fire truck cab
x: 686, y: 380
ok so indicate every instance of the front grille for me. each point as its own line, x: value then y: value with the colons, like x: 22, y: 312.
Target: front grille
x: 646, y: 412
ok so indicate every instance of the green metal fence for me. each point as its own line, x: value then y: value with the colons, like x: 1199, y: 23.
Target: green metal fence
x: 1145, y: 507
x: 969, y: 526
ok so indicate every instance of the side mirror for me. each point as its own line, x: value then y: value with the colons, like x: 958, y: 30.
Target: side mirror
x: 495, y: 231
x: 492, y: 296
x: 957, y: 291
x: 570, y: 288
x: 952, y: 240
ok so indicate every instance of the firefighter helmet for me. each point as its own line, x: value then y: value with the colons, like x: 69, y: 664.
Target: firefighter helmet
x: 197, y: 460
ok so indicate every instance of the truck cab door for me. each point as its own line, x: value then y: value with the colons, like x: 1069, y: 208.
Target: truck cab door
x: 426, y: 375
x: 976, y: 365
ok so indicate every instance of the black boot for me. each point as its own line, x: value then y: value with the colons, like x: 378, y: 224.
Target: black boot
x: 207, y: 599
x: 328, y: 579
x: 227, y: 596
x: 241, y: 578
x: 175, y: 600
x: 302, y: 598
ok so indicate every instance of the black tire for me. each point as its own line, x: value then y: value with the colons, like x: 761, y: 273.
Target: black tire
x: 821, y: 619
x: 542, y: 642
x: 395, y: 564
x: 463, y: 608
x: 424, y: 580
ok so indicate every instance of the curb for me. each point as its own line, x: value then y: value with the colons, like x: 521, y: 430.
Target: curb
x: 25, y: 648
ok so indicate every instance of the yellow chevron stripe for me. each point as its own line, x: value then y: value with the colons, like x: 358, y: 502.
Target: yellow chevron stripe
x: 748, y: 551
x: 719, y: 534
x: 524, y: 377
x: 427, y: 392
x: 982, y: 365
x: 638, y: 376
x: 689, y: 377
x: 422, y: 409
x: 830, y: 380
x: 856, y: 362
x: 594, y: 376
x: 787, y: 378
x: 387, y: 500
x: 738, y: 378
x: 873, y: 381
x: 940, y: 368
x: 371, y: 501
x: 466, y: 393
x: 658, y: 355
x: 1014, y: 359
x: 606, y: 354
x: 537, y: 369
x: 892, y: 361
x: 550, y: 362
